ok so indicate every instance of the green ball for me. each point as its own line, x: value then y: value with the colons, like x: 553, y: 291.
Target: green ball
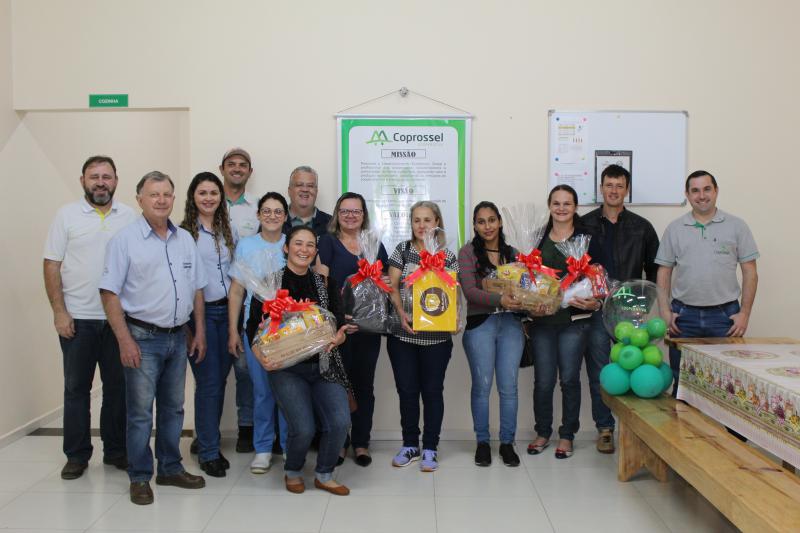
x: 623, y: 330
x: 666, y: 376
x: 646, y: 381
x: 614, y: 355
x: 639, y: 337
x: 652, y: 355
x: 656, y: 327
x: 630, y: 357
x: 614, y: 379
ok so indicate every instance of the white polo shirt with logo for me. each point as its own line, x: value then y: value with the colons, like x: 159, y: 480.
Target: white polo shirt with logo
x: 244, y: 215
x: 77, y: 238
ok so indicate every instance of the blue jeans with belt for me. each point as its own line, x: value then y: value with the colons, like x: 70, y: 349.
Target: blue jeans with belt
x: 92, y: 345
x: 495, y: 347
x: 694, y: 321
x: 210, y: 377
x: 558, y: 352
x: 161, y: 377
x: 302, y: 393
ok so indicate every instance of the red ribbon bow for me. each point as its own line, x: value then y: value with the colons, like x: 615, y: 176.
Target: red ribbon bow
x: 576, y: 268
x: 429, y: 262
x: 283, y: 303
x: 373, y: 271
x: 533, y: 262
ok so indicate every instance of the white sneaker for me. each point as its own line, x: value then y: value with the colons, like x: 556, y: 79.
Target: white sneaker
x: 261, y: 463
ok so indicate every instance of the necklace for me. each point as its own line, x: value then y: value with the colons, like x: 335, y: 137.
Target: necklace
x: 494, y: 251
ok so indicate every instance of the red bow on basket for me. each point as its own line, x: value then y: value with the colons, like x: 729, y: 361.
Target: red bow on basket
x: 429, y: 262
x: 533, y: 262
x: 576, y: 268
x: 373, y: 271
x: 283, y: 303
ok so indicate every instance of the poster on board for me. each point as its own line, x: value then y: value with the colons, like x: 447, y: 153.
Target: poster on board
x: 396, y: 161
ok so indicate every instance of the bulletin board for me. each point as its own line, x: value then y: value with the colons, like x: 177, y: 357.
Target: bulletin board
x: 652, y: 145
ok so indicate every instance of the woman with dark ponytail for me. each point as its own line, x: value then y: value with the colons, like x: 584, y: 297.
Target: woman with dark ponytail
x: 493, y: 339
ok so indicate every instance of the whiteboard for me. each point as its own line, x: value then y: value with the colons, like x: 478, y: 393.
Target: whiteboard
x: 652, y: 145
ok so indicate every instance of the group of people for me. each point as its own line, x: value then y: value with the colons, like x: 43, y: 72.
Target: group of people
x: 135, y: 294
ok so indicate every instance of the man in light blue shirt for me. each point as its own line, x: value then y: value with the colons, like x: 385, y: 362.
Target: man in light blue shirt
x: 152, y: 282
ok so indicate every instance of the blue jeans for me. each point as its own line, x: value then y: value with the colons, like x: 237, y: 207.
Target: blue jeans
x: 694, y: 321
x: 597, y: 356
x: 93, y: 345
x: 210, y: 376
x: 265, y: 406
x: 161, y: 377
x: 558, y: 351
x: 303, y: 393
x: 495, y: 347
x: 360, y: 357
x: 244, y: 391
x: 419, y: 372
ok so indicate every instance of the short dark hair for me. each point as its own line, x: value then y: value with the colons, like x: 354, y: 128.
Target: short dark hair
x: 272, y: 195
x: 97, y: 159
x: 154, y: 175
x: 616, y: 171
x: 699, y: 174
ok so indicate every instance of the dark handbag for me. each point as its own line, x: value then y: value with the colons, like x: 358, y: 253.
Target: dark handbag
x: 527, y: 349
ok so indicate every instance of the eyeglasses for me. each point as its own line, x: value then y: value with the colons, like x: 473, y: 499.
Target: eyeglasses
x: 351, y: 212
x: 270, y: 212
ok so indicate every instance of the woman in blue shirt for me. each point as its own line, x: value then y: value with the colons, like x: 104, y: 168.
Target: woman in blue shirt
x: 339, y: 252
x: 206, y: 218
x: 272, y: 213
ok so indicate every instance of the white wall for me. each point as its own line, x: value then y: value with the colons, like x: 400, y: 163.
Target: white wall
x: 270, y: 75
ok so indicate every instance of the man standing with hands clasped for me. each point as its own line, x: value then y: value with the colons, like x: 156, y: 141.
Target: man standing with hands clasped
x: 73, y: 263
x: 152, y: 282
x: 697, y: 267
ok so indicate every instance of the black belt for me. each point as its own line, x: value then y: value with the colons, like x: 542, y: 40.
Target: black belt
x: 152, y: 327
x: 718, y: 306
x: 218, y: 303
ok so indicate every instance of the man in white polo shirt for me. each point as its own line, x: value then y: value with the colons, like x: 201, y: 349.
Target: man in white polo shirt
x: 73, y: 263
x: 697, y: 261
x: 236, y: 169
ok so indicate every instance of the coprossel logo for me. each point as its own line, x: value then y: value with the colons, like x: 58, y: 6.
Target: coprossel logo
x: 624, y: 292
x: 378, y: 137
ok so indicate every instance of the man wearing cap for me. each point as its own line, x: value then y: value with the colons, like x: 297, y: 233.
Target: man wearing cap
x: 697, y: 262
x: 152, y: 282
x: 302, y: 202
x: 628, y: 243
x: 73, y: 263
x: 236, y: 169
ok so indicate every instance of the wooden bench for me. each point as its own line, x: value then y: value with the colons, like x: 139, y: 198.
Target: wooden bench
x: 752, y: 491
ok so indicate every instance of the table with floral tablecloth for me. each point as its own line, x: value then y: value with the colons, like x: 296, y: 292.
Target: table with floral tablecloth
x: 753, y: 389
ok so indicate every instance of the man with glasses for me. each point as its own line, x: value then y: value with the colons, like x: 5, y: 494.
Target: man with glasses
x: 302, y: 199
x: 236, y: 169
x: 629, y: 244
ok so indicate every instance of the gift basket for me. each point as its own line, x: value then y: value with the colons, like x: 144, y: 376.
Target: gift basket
x: 527, y: 280
x: 582, y: 280
x: 365, y: 296
x: 291, y: 331
x: 432, y: 295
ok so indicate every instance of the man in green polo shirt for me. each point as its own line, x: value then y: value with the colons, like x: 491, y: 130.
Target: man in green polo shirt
x: 697, y: 261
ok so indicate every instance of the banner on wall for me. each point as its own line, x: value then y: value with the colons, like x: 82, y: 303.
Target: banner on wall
x: 396, y: 161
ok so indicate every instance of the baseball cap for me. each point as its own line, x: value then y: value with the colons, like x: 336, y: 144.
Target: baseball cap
x: 237, y: 151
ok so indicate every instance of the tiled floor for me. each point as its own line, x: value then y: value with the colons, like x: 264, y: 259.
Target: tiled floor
x: 580, y: 494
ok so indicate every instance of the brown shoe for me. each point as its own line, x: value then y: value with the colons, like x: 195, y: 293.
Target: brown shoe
x: 184, y: 480
x: 296, y: 486
x: 605, y: 442
x: 339, y: 490
x: 73, y: 470
x: 141, y: 493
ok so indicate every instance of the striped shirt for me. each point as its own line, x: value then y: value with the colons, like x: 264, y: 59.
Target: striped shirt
x: 406, y: 259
